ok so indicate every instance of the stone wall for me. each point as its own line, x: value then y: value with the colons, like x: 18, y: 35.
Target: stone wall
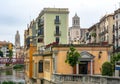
x: 84, y: 79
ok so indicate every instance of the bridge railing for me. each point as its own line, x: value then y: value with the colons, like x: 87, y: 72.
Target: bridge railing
x: 11, y: 60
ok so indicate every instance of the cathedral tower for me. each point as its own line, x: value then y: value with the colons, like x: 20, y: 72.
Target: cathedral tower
x: 76, y: 21
x: 17, y: 40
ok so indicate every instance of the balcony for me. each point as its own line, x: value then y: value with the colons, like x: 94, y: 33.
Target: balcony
x: 116, y: 37
x: 57, y: 33
x: 106, y: 31
x: 40, y: 22
x: 57, y: 21
x: 41, y: 32
x: 40, y: 35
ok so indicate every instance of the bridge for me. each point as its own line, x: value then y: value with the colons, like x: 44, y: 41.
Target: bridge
x: 11, y: 60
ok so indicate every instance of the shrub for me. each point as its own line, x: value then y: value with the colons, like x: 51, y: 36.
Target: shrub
x: 18, y: 66
x: 5, y: 82
x: 107, y: 69
x: 9, y: 82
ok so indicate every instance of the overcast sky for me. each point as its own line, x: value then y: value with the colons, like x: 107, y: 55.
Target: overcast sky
x: 16, y: 14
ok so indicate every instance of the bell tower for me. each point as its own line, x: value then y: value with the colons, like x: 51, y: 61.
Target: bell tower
x: 17, y: 40
x: 76, y: 21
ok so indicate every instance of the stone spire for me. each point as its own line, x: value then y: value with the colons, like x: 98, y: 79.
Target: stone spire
x: 17, y: 40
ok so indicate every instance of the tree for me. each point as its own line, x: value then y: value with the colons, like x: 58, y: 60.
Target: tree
x: 10, y: 53
x: 72, y: 57
x: 1, y: 53
x: 10, y: 57
x: 107, y: 69
x: 115, y: 58
x: 93, y: 34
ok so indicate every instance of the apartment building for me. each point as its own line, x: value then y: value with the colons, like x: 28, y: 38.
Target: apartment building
x: 92, y: 36
x: 117, y: 30
x: 50, y: 27
x: 102, y: 32
x: 5, y: 47
x: 106, y: 28
x: 53, y: 26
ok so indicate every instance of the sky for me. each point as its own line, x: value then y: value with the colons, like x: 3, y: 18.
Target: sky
x: 16, y: 14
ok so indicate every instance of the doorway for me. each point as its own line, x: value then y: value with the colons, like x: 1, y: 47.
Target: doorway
x: 83, y: 67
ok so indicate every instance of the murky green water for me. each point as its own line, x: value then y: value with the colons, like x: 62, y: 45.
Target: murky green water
x: 12, y: 75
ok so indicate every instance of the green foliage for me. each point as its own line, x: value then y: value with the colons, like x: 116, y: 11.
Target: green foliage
x: 1, y: 53
x: 5, y: 82
x: 93, y: 34
x: 20, y: 83
x: 18, y: 66
x: 10, y: 53
x: 9, y: 82
x: 107, y: 69
x: 9, y: 72
x: 115, y: 58
x: 10, y: 56
x: 72, y: 57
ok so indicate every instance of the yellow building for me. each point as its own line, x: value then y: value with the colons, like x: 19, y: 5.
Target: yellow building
x: 52, y: 61
x: 30, y: 48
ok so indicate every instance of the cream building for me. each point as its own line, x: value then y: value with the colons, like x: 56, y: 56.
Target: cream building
x: 106, y: 28
x: 102, y: 32
x: 117, y: 30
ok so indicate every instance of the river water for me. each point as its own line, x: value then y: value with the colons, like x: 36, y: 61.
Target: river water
x: 12, y: 75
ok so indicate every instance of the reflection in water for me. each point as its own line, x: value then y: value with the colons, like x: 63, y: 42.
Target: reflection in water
x: 12, y: 75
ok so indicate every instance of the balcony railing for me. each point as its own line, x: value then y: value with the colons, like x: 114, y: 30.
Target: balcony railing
x: 57, y: 33
x: 57, y: 21
x: 41, y: 22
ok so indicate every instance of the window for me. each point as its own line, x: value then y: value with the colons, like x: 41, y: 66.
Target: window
x: 57, y: 29
x: 40, y: 40
x: 113, y: 17
x: 57, y: 40
x: 113, y: 28
x: 40, y: 31
x: 40, y: 69
x: 57, y: 18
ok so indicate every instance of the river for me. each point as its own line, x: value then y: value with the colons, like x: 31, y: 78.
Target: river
x: 12, y: 75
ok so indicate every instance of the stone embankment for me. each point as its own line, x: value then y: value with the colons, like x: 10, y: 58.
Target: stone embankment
x: 5, y: 67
